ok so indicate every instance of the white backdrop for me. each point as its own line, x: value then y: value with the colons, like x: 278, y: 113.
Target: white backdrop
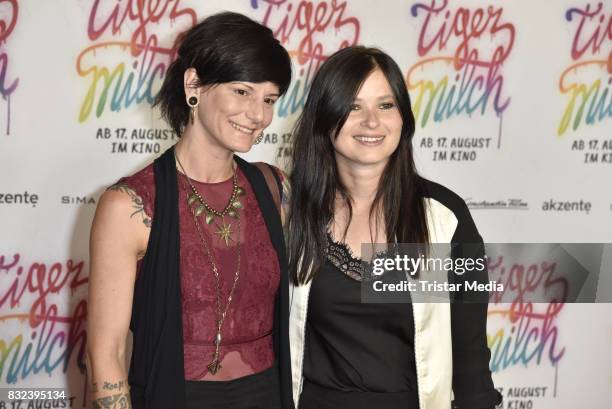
x: 513, y: 101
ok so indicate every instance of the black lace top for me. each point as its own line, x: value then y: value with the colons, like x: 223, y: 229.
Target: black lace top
x: 354, y: 346
x: 342, y: 258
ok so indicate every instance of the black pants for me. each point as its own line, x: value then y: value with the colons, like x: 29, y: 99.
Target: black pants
x: 257, y: 391
x: 317, y: 397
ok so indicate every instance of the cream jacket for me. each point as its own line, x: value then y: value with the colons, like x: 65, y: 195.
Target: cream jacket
x: 432, y: 321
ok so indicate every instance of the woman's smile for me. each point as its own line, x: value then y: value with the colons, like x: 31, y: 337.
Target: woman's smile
x: 241, y: 128
x: 369, y: 140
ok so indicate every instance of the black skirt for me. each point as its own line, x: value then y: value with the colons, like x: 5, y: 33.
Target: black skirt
x: 257, y: 391
x: 318, y: 397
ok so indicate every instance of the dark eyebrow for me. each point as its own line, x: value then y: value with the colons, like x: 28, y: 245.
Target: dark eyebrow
x: 387, y: 96
x: 274, y: 94
x: 243, y: 84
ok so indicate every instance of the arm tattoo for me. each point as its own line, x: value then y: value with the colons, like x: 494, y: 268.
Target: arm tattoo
x: 118, y: 401
x: 137, y: 203
x: 112, y: 386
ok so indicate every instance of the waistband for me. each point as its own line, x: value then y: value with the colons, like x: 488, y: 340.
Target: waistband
x: 260, y: 390
x: 316, y: 396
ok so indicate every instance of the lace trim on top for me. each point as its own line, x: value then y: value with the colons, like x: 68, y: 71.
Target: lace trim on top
x: 341, y: 256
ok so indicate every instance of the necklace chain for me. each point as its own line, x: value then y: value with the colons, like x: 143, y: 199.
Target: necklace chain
x: 221, y: 313
x: 229, y: 207
x: 236, y: 190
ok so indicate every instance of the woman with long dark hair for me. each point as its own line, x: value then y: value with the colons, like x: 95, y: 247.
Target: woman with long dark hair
x: 188, y: 252
x: 354, y: 181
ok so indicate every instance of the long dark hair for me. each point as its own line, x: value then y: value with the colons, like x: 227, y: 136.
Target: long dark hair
x: 315, y: 182
x: 222, y: 48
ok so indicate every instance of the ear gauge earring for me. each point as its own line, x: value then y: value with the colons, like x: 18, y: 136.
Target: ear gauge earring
x: 259, y: 138
x: 193, y: 104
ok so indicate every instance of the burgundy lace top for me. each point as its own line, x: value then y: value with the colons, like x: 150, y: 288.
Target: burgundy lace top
x: 247, y: 332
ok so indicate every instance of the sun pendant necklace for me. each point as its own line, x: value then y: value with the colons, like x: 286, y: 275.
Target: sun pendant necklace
x: 224, y: 230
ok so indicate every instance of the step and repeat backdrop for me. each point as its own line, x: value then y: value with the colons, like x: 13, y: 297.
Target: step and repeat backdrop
x: 513, y: 103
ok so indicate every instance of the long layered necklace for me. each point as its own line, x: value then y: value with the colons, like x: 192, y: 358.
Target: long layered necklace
x: 214, y: 366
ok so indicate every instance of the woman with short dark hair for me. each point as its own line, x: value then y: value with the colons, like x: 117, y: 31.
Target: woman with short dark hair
x: 354, y: 182
x: 188, y: 252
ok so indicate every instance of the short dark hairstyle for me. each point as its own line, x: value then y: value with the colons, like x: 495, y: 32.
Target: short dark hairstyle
x: 314, y: 176
x: 222, y: 48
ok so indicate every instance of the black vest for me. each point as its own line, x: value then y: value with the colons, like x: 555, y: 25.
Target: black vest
x: 157, y: 376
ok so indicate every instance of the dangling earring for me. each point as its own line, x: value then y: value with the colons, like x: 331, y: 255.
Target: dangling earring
x: 193, y: 103
x: 259, y: 138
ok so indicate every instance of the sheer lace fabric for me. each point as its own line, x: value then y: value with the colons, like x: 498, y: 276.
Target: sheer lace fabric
x: 247, y: 332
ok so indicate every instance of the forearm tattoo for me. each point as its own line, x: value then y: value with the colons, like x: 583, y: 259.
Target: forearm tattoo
x: 120, y: 400
x: 137, y: 204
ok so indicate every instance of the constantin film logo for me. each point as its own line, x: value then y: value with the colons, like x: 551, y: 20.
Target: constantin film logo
x: 503, y: 204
